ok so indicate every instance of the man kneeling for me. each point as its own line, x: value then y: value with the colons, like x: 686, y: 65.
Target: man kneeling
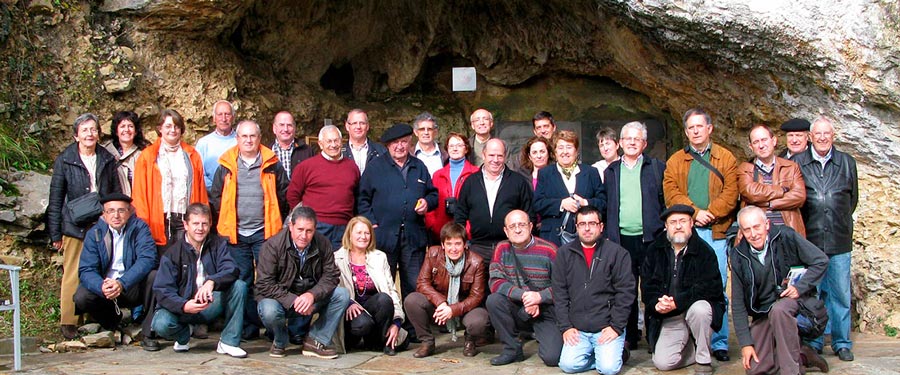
x: 682, y: 290
x: 197, y: 280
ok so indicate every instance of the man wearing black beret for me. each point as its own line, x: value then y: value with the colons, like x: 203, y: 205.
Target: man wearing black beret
x: 117, y: 267
x: 796, y: 130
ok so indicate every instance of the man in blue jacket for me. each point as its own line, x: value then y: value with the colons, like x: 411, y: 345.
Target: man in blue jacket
x: 395, y: 191
x: 116, y: 268
x: 189, y: 291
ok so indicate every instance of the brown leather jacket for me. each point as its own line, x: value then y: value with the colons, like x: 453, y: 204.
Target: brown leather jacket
x: 785, y: 175
x: 722, y: 196
x: 434, y: 280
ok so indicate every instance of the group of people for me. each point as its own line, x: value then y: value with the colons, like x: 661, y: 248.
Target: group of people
x: 542, y: 245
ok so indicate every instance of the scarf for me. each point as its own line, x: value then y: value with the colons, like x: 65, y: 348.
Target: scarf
x: 455, y: 270
x: 568, y: 170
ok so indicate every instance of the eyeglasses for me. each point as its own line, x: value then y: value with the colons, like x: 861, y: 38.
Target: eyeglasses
x: 358, y: 123
x: 113, y: 211
x: 588, y: 224
x: 513, y: 226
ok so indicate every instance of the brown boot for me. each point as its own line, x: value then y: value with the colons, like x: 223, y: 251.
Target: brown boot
x: 425, y: 349
x: 69, y: 331
x: 810, y: 359
x: 469, y: 348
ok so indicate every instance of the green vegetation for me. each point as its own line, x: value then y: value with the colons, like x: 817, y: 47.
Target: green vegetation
x: 39, y: 294
x: 890, y: 331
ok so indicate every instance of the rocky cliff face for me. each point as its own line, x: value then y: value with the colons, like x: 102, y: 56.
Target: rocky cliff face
x: 747, y: 62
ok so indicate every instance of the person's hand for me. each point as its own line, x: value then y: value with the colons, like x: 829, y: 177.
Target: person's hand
x: 703, y: 218
x: 665, y: 304
x: 303, y: 304
x: 748, y: 353
x: 533, y: 310
x: 607, y: 335
x: 57, y: 245
x: 581, y: 201
x: 569, y: 204
x: 531, y: 298
x: 790, y: 292
x: 392, y: 336
x: 421, y: 206
x: 442, y: 314
x: 194, y: 307
x: 112, y: 289
x: 570, y: 337
x: 354, y: 310
x: 205, y: 293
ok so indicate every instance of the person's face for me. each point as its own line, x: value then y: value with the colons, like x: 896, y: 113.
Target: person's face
x: 538, y: 154
x: 88, y: 134
x: 170, y: 133
x: 399, y: 148
x: 456, y: 148
x: 565, y: 153
x: 755, y: 228
x: 224, y: 118
x: 494, y: 157
x: 517, y: 227
x: 357, y: 126
x: 425, y: 132
x: 196, y: 227
x: 632, y: 143
x: 482, y: 122
x: 678, y: 228
x: 822, y: 137
x: 544, y: 128
x: 697, y: 131
x: 302, y: 232
x: 283, y: 128
x: 125, y: 131
x: 454, y: 248
x: 360, y: 236
x: 116, y: 213
x: 797, y: 141
x: 248, y: 139
x: 762, y: 144
x: 589, y: 228
x: 330, y: 143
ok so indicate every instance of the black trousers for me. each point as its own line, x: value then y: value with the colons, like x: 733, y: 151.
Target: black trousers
x: 508, y: 316
x: 104, y: 311
x: 638, y: 250
x: 371, y: 326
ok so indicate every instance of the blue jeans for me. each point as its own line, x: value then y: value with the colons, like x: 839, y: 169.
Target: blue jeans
x: 331, y: 313
x: 245, y: 254
x: 836, y: 286
x: 334, y: 233
x: 587, y: 354
x: 719, y: 340
x: 176, y: 325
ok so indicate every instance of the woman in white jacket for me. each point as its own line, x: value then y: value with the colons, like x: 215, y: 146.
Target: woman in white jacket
x: 375, y: 313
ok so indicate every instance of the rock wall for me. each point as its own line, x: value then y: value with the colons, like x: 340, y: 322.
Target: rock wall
x: 747, y: 62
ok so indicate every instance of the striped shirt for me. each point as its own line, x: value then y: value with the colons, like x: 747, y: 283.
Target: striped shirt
x: 536, y: 260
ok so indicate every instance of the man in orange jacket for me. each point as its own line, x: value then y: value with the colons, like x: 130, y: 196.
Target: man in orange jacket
x: 247, y: 195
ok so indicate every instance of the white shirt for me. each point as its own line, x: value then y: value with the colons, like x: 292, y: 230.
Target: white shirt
x: 492, y: 187
x: 432, y: 161
x: 117, y: 263
x: 360, y: 155
x: 201, y: 273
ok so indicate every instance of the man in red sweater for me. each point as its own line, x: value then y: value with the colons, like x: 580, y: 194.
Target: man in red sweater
x: 326, y: 183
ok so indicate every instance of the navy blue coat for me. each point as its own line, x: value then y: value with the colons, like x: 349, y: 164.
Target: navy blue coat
x: 175, y: 282
x: 551, y: 190
x: 389, y: 201
x: 652, y: 199
x: 138, y: 255
x: 375, y: 150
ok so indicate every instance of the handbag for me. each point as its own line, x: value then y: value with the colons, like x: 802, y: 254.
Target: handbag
x: 564, y: 236
x: 85, y: 209
x: 812, y: 317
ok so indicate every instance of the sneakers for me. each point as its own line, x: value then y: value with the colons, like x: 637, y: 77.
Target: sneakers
x: 276, y: 352
x: 313, y: 348
x: 232, y: 351
x: 181, y: 348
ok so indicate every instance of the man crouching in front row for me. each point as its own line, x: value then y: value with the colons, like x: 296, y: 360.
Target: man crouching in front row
x: 198, y: 281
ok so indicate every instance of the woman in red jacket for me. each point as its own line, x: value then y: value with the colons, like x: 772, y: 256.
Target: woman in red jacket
x: 448, y: 181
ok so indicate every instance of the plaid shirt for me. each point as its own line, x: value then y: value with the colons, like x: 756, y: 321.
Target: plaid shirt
x: 284, y: 156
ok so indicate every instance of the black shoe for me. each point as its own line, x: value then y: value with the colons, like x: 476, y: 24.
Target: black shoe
x: 845, y: 354
x: 721, y: 355
x: 296, y: 340
x: 631, y: 345
x: 626, y: 355
x: 389, y: 351
x: 506, y: 358
x: 150, y: 345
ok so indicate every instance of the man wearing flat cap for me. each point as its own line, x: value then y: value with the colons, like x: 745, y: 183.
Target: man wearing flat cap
x: 796, y: 132
x: 682, y: 291
x: 395, y: 191
x: 117, y: 267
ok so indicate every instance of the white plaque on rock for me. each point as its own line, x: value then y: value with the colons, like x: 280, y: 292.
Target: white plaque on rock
x: 464, y: 79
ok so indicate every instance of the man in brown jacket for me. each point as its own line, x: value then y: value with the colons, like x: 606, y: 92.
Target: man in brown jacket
x: 704, y: 176
x: 448, y: 292
x: 772, y: 183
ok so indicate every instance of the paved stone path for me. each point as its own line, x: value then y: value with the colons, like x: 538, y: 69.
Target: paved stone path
x: 874, y: 355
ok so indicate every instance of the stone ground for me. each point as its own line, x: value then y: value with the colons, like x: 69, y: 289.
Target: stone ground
x: 874, y: 355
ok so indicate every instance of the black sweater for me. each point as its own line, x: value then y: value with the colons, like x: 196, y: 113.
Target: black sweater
x: 472, y: 205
